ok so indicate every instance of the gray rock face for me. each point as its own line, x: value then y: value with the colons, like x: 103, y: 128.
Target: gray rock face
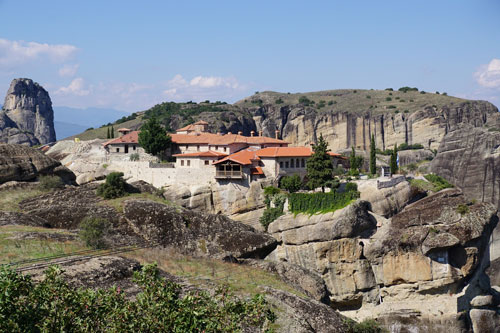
x: 21, y: 163
x: 27, y: 116
x: 469, y: 157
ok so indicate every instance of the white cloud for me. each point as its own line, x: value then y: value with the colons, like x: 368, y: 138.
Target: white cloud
x: 177, y: 81
x: 489, y: 75
x: 68, y: 70
x: 76, y: 87
x: 214, y: 81
x: 19, y: 52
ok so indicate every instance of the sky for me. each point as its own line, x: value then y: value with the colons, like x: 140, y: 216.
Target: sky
x: 131, y: 55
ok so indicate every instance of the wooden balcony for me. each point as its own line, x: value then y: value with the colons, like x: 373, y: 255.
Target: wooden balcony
x: 228, y: 174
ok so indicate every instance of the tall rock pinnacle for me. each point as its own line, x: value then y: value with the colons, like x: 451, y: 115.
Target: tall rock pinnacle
x: 27, y: 116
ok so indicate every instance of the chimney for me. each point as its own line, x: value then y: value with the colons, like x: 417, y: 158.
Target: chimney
x: 240, y: 133
x: 276, y: 134
x: 260, y: 133
x: 252, y: 133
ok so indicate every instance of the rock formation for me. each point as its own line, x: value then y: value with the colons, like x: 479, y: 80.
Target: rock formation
x: 21, y: 163
x: 27, y: 117
x: 469, y: 157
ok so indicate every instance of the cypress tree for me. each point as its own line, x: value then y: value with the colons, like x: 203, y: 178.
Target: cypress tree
x: 319, y: 166
x: 373, y: 157
x: 112, y: 132
x: 108, y: 135
x: 394, y: 160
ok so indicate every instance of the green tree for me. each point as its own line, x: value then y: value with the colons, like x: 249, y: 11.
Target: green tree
x: 319, y: 166
x: 291, y: 183
x: 114, y: 187
x: 108, y: 135
x: 112, y: 132
x: 394, y: 160
x: 356, y: 162
x: 153, y: 137
x: 93, y: 230
x: 373, y: 156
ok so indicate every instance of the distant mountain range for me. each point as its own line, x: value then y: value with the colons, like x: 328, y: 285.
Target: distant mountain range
x: 69, y: 121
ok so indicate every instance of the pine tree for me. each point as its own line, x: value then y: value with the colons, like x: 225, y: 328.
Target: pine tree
x: 373, y: 156
x: 394, y: 160
x: 108, y: 136
x: 319, y: 166
x: 153, y: 137
x: 112, y: 132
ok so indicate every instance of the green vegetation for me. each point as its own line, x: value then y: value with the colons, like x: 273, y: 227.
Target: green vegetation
x: 52, y: 305
x: 406, y: 89
x: 319, y: 166
x: 356, y: 163
x: 278, y: 101
x: 117, y: 203
x: 462, y: 209
x: 10, y: 199
x: 126, y: 118
x: 373, y: 156
x: 388, y: 99
x: 403, y: 146
x: 320, y: 202
x: 47, y: 183
x: 153, y: 137
x: 272, y: 195
x: 114, y: 187
x: 14, y: 247
x: 394, y: 160
x: 366, y: 326
x: 134, y: 157
x: 439, y: 182
x: 93, y: 231
x: 305, y: 101
x: 89, y: 129
x: 321, y: 104
x: 291, y: 183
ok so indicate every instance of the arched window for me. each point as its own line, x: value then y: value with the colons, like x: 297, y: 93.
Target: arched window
x: 303, y: 163
x: 292, y: 163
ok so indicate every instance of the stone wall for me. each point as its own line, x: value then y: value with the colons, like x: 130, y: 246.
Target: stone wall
x: 390, y: 183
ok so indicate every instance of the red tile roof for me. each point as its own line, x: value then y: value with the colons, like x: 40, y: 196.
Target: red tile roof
x: 186, y: 128
x: 132, y: 137
x: 209, y: 153
x: 226, y: 139
x: 256, y: 171
x: 285, y: 152
x: 244, y: 157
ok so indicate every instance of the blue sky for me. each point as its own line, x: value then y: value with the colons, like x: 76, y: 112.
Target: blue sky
x: 130, y: 55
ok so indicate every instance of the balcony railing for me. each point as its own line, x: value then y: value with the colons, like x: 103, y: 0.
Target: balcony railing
x: 228, y: 174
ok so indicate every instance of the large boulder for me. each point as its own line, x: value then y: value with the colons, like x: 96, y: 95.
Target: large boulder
x: 27, y: 116
x: 469, y: 157
x: 21, y: 163
x: 196, y: 233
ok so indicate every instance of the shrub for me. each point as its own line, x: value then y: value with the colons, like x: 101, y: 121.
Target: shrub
x: 437, y: 92
x: 305, y: 101
x: 412, y: 167
x: 354, y: 91
x: 272, y: 213
x: 52, y: 305
x: 422, y: 92
x: 397, y: 98
x: 92, y: 232
x: 271, y: 190
x: 321, y: 104
x: 278, y: 101
x: 47, y: 183
x: 330, y: 103
x: 391, y: 107
x: 134, y: 157
x: 439, y: 182
x: 445, y: 94
x: 366, y: 326
x: 368, y: 96
x: 320, y: 202
x: 351, y: 187
x: 291, y: 183
x: 406, y: 111
x: 462, y: 209
x: 269, y: 215
x: 397, y: 111
x: 388, y: 99
x: 389, y: 89
x: 114, y: 187
x: 89, y: 129
x: 406, y: 89
x: 332, y: 184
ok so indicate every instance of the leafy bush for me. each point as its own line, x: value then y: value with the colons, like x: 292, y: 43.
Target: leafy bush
x: 47, y: 183
x: 272, y: 213
x: 278, y: 101
x: 320, y: 202
x: 366, y: 326
x: 462, y: 209
x: 406, y: 89
x: 391, y: 107
x: 389, y: 89
x: 368, y: 96
x: 93, y: 231
x: 54, y: 306
x: 439, y: 182
x: 351, y: 187
x: 114, y: 187
x: 89, y: 129
x: 271, y: 190
x: 305, y: 101
x: 321, y: 104
x: 291, y: 183
x: 134, y: 157
x: 331, y: 102
x: 388, y: 99
x: 269, y: 215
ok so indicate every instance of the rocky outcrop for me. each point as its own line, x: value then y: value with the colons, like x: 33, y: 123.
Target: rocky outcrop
x: 386, y: 201
x: 196, y: 233
x: 469, y: 157
x: 21, y: 163
x: 27, y: 117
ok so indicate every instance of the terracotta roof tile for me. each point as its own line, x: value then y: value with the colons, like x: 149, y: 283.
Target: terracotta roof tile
x: 132, y: 137
x: 209, y: 153
x: 285, y: 152
x: 244, y: 157
x: 256, y: 171
x: 216, y: 139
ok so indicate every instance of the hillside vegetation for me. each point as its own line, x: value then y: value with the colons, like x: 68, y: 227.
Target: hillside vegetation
x: 240, y: 115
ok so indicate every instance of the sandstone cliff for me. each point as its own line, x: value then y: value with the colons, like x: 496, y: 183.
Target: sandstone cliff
x: 27, y: 116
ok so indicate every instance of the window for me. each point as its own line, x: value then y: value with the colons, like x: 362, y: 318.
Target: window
x: 281, y: 165
x: 225, y: 149
x: 216, y: 148
x: 182, y: 162
x: 297, y: 163
x: 185, y: 147
x: 117, y: 150
x: 292, y: 163
x: 198, y: 148
x: 207, y: 162
x: 189, y: 163
x: 134, y: 147
x: 286, y: 164
x: 303, y: 163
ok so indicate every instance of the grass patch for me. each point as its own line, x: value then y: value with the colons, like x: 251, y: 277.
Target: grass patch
x: 117, y: 203
x: 433, y: 183
x: 13, y: 250
x: 10, y: 199
x: 242, y: 280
